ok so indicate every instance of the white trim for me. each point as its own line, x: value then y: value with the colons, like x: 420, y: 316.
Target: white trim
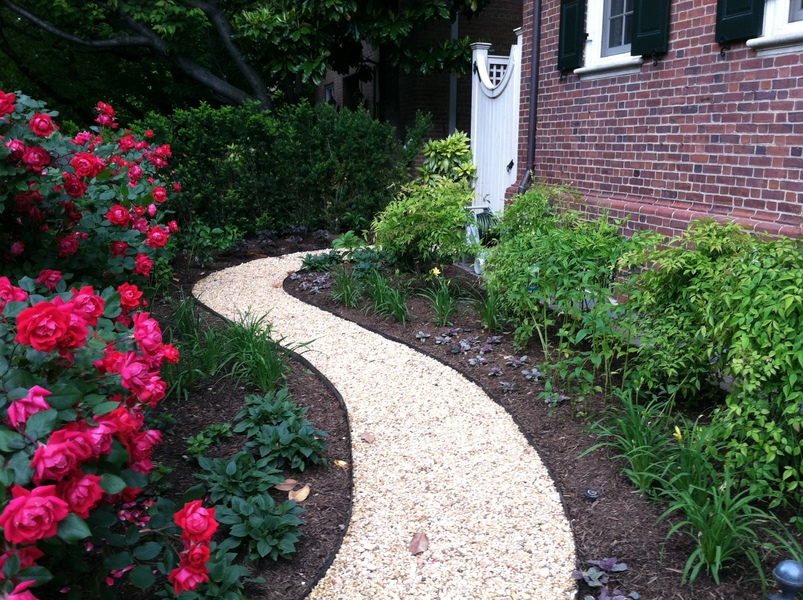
x: 779, y: 36
x: 623, y: 64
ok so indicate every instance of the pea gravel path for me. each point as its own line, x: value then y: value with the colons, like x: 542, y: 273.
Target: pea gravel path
x: 445, y: 461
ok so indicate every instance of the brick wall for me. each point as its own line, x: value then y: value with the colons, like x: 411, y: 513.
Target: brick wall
x: 698, y: 134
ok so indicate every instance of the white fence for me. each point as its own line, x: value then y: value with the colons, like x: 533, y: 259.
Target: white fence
x: 494, y: 123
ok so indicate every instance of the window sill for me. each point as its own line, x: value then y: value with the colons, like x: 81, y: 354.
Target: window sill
x: 619, y: 65
x: 778, y: 43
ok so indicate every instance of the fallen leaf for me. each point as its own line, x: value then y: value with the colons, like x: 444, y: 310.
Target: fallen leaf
x: 287, y: 485
x: 368, y: 437
x: 419, y: 543
x: 278, y: 284
x: 342, y: 464
x: 299, y: 495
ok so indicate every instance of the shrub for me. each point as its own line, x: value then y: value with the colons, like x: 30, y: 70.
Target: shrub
x: 425, y: 225
x: 448, y: 159
x: 92, y: 203
x: 303, y: 165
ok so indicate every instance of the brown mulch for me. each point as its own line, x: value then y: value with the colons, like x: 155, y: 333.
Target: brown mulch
x: 619, y: 523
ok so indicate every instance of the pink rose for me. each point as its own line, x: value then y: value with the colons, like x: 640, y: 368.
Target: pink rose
x: 148, y: 333
x: 42, y: 125
x: 42, y: 326
x: 17, y: 248
x: 173, y: 226
x: 36, y: 158
x: 186, y: 577
x: 171, y: 354
x: 10, y: 293
x: 49, y: 278
x: 118, y: 248
x: 34, y: 402
x: 32, y: 515
x: 17, y: 148
x: 7, y: 103
x: 81, y: 492
x: 87, y: 305
x: 65, y: 450
x: 20, y: 591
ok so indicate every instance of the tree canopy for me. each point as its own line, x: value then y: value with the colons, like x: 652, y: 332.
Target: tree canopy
x: 169, y: 52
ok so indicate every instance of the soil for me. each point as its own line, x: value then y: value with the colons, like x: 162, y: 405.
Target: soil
x: 619, y: 523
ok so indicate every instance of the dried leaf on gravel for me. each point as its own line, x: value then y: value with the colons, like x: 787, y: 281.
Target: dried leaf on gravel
x: 419, y: 543
x: 368, y: 437
x: 277, y: 284
x: 287, y: 485
x: 299, y: 495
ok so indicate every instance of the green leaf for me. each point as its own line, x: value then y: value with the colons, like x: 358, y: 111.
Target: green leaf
x: 134, y: 479
x: 10, y: 440
x: 142, y: 577
x: 39, y: 425
x: 105, y: 408
x: 64, y: 395
x: 112, y: 484
x: 36, y: 573
x: 73, y: 529
x: 147, y: 551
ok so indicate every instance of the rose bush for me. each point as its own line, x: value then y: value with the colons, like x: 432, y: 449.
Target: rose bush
x: 80, y: 368
x: 89, y: 203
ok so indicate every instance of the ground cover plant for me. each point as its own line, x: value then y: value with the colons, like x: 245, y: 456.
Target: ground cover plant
x: 570, y: 297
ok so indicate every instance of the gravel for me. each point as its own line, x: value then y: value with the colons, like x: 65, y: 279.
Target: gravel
x: 444, y: 460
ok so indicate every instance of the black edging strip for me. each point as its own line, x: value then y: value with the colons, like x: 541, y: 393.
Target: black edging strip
x: 487, y: 393
x: 333, y: 390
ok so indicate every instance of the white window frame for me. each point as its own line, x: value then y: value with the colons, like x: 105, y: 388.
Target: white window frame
x: 780, y: 34
x: 595, y: 64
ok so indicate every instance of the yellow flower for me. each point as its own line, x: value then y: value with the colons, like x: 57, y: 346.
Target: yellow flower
x: 435, y: 271
x: 677, y: 435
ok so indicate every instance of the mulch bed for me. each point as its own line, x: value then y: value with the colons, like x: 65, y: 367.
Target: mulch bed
x: 619, y: 523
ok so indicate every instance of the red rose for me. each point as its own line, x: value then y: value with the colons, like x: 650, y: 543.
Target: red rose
x: 105, y: 109
x: 74, y: 186
x: 68, y: 245
x: 22, y: 408
x: 81, y: 492
x: 86, y: 164
x: 10, y: 293
x: 143, y: 265
x: 157, y: 237
x: 42, y: 326
x: 159, y: 194
x: 197, y: 523
x: 17, y: 148
x: 127, y: 143
x: 49, y: 278
x: 36, y: 158
x: 129, y: 296
x: 7, y: 103
x: 32, y: 515
x: 42, y: 125
x: 176, y: 187
x: 118, y: 215
x: 118, y: 248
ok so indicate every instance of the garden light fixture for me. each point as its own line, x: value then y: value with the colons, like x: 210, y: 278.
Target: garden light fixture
x: 789, y: 575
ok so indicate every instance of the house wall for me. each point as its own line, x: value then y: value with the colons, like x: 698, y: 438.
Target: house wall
x: 699, y: 134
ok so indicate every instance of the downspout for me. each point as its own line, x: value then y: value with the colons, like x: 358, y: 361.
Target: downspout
x: 532, y: 114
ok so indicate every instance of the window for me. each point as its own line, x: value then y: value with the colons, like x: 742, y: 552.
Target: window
x: 605, y: 37
x: 781, y: 28
x: 609, y: 25
x: 617, y: 27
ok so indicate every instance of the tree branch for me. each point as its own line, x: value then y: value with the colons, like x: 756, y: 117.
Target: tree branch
x: 214, y: 12
x: 116, y: 42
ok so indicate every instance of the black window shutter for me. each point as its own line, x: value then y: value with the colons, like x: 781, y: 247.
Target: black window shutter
x: 572, y: 34
x: 739, y: 19
x: 650, y: 28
